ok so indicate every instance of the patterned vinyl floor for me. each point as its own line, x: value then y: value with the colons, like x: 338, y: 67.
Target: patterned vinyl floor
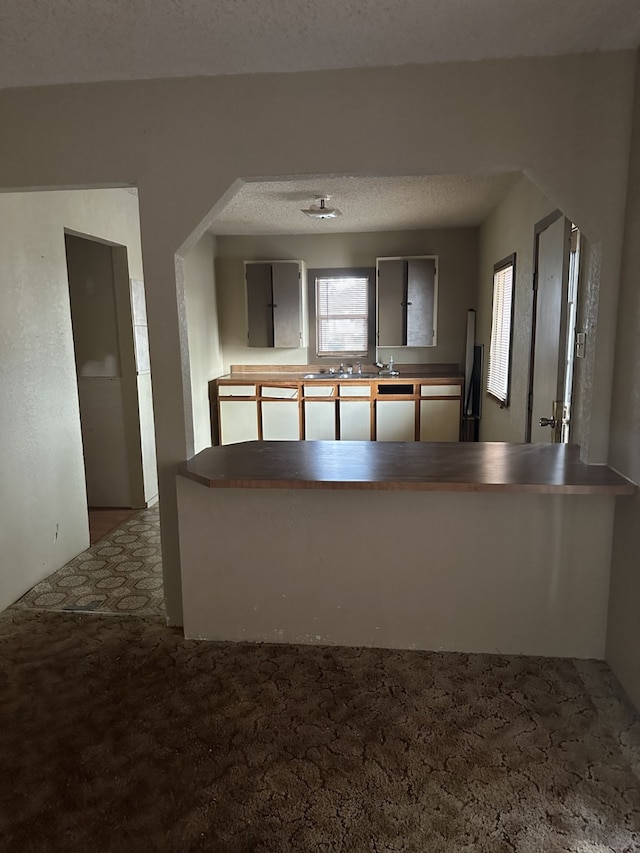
x: 122, y: 573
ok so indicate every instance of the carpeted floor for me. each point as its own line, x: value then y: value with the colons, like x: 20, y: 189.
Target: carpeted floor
x: 121, y: 573
x: 116, y: 734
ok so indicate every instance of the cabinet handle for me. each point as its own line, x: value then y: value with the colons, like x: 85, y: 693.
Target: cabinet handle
x: 272, y: 305
x: 406, y: 303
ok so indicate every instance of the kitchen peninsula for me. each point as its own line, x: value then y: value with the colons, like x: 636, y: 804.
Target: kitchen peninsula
x: 452, y: 546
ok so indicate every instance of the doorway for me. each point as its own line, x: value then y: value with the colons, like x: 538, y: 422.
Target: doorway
x: 555, y: 296
x: 109, y: 357
x: 98, y: 370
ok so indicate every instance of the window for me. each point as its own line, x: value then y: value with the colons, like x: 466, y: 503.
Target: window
x: 501, y: 325
x: 342, y: 315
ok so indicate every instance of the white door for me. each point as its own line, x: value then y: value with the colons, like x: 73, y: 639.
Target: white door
x: 551, y: 285
x: 395, y: 420
x: 355, y: 420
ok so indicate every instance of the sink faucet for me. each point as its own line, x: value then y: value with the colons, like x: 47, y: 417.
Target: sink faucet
x: 388, y: 368
x: 359, y: 363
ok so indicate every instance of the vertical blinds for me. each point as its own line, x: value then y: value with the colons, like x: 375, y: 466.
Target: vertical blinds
x: 498, y: 379
x: 342, y: 310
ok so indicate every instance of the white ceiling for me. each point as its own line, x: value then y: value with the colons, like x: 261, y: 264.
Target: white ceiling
x: 46, y: 42
x: 367, y: 204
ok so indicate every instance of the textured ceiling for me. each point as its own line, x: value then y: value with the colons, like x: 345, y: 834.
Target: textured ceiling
x: 73, y: 41
x: 366, y: 203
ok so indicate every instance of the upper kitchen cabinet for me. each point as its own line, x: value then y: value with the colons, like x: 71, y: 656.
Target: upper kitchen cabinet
x: 407, y: 290
x: 276, y: 293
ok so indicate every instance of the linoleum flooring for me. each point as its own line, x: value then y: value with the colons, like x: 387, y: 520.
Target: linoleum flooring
x: 120, y: 573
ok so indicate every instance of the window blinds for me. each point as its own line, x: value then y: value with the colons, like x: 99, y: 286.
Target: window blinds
x: 342, y: 308
x: 499, y: 352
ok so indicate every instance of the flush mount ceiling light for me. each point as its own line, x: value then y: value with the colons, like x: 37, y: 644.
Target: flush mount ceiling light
x: 319, y: 209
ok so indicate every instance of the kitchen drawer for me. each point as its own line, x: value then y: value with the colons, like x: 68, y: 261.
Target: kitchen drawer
x: 236, y: 390
x: 280, y: 393
x: 440, y: 390
x: 319, y: 390
x: 352, y: 390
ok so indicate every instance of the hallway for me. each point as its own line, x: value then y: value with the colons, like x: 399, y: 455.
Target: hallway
x: 120, y: 573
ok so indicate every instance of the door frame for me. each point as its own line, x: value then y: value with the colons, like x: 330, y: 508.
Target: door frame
x: 539, y: 228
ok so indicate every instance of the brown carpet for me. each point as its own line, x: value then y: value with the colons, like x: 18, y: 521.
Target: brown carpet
x: 118, y: 735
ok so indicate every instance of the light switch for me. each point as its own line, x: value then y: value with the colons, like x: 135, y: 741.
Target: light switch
x: 581, y: 343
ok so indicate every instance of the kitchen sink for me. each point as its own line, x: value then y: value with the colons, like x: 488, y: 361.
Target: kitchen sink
x: 340, y: 376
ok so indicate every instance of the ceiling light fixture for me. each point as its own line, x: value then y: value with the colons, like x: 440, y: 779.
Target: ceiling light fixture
x: 319, y: 209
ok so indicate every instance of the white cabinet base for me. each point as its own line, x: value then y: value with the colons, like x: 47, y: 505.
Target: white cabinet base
x: 280, y: 421
x: 395, y: 420
x: 355, y: 420
x: 330, y: 410
x: 319, y: 420
x: 439, y: 420
x: 238, y: 421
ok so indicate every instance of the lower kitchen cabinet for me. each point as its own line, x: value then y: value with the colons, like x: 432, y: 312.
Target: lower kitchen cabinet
x: 355, y: 420
x: 395, y: 420
x: 280, y: 420
x: 320, y: 420
x: 238, y: 421
x: 440, y: 420
x: 399, y: 409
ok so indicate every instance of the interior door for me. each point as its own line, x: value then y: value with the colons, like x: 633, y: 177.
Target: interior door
x: 551, y: 283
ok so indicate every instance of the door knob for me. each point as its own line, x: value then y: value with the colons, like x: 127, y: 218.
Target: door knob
x: 550, y: 422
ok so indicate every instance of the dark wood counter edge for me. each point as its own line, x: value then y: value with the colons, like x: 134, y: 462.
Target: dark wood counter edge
x: 295, y: 378
x: 209, y: 469
x: 396, y: 486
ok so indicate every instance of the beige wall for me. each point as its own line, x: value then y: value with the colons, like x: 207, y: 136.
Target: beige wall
x: 397, y: 569
x: 564, y: 121
x: 457, y: 250
x: 623, y: 641
x: 205, y: 357
x: 42, y: 486
x: 509, y: 229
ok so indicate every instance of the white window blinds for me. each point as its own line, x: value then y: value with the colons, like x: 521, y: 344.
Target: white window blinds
x: 501, y: 322
x: 342, y: 309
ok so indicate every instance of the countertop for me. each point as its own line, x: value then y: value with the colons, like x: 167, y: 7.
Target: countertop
x: 296, y: 373
x: 420, y: 466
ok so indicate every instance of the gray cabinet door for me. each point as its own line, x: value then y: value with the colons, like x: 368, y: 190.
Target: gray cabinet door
x: 420, y: 302
x: 273, y: 304
x: 259, y: 305
x: 406, y: 302
x: 286, y: 304
x: 391, y: 295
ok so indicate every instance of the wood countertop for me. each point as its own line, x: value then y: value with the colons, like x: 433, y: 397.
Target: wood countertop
x: 296, y: 373
x: 419, y: 466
